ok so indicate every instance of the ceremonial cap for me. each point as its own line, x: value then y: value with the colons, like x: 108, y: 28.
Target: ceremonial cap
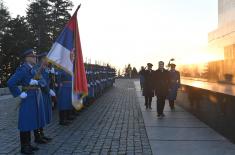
x: 29, y: 52
x: 149, y: 64
x: 43, y: 54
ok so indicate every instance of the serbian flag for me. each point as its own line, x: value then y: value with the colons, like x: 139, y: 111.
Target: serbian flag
x: 66, y: 53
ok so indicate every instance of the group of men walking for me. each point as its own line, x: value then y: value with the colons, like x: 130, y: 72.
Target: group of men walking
x: 43, y: 87
x: 162, y: 83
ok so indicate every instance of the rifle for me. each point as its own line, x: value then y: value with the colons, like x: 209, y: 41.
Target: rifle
x: 37, y: 76
x: 53, y: 87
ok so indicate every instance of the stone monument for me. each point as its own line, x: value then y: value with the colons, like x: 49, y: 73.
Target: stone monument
x: 224, y: 35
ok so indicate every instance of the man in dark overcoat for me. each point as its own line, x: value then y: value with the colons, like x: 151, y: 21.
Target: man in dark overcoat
x: 148, y: 86
x: 161, y: 82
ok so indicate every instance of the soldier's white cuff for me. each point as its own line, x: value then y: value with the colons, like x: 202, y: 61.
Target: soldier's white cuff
x: 23, y: 95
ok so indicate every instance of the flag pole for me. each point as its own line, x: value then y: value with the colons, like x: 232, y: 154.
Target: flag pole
x: 75, y: 13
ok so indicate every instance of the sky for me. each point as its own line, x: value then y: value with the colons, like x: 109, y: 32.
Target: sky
x: 120, y: 32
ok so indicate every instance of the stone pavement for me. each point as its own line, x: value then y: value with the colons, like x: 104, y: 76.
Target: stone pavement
x: 181, y: 133
x: 112, y: 125
x: 118, y: 123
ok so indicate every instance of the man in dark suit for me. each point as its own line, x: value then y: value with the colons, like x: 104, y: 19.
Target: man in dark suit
x: 148, y: 87
x: 161, y: 80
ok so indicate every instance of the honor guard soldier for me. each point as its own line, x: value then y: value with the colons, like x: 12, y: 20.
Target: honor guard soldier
x: 92, y: 83
x: 65, y: 98
x: 47, y: 93
x: 31, y: 108
x: 91, y: 94
x: 38, y: 70
x: 95, y: 81
x: 54, y: 85
x: 102, y: 82
x: 110, y: 80
x: 105, y: 77
x: 113, y: 74
x: 174, y: 85
x: 86, y: 99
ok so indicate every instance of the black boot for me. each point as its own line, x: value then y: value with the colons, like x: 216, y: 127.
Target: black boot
x: 54, y: 100
x: 172, y: 105
x: 38, y: 138
x: 146, y: 106
x: 48, y: 139
x: 150, y: 103
x: 25, y: 143
x: 150, y: 106
x: 146, y: 102
x: 62, y: 118
x: 75, y: 113
x: 34, y: 148
x: 69, y: 115
x: 26, y: 149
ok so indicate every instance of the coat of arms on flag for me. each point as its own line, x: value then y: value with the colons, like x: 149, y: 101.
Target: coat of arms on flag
x: 66, y: 53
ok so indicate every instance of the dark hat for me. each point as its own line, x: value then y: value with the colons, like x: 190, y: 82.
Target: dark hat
x: 29, y: 52
x: 149, y: 64
x: 43, y: 54
x: 172, y: 65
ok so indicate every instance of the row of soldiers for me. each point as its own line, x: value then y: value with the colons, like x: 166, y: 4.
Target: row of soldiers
x: 99, y: 78
x: 43, y: 86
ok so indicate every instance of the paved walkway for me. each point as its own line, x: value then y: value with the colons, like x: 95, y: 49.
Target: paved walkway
x: 180, y: 133
x: 112, y: 125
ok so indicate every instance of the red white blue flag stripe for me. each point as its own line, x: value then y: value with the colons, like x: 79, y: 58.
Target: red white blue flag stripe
x: 60, y: 54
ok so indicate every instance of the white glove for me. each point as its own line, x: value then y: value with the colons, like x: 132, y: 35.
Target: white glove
x: 23, y: 95
x: 52, y: 93
x: 52, y: 70
x: 33, y: 82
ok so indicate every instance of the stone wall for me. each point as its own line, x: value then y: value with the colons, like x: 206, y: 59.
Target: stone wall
x: 217, y: 110
x: 4, y: 91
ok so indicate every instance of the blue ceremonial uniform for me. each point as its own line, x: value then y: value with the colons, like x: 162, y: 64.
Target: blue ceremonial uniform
x: 92, y: 84
x: 174, y: 84
x: 91, y: 92
x: 65, y: 91
x: 31, y: 112
x: 46, y: 96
